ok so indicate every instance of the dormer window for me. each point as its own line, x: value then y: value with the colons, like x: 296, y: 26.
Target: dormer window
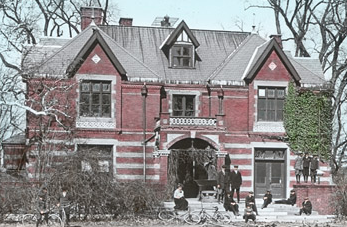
x: 182, y: 56
x: 180, y: 47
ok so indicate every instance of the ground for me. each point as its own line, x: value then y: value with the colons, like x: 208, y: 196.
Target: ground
x: 157, y: 223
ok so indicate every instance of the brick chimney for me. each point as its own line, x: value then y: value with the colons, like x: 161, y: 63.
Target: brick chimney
x: 89, y: 14
x: 125, y: 21
x: 278, y: 39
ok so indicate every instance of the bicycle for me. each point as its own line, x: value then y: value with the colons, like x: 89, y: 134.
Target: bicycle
x: 215, y: 218
x: 31, y: 219
x: 187, y: 216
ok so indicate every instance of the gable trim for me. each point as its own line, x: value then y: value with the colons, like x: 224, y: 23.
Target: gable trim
x: 272, y: 46
x: 173, y: 36
x: 95, y: 39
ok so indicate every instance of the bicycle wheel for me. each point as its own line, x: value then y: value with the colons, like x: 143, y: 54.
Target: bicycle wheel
x: 192, y: 218
x: 221, y: 218
x: 29, y: 219
x: 166, y: 215
x: 54, y: 220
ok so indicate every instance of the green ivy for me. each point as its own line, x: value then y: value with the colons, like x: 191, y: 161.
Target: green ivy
x: 308, y: 121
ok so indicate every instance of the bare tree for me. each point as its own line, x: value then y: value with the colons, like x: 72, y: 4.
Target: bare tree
x: 328, y: 18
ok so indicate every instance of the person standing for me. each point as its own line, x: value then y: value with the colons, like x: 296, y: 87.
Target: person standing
x: 267, y: 199
x: 314, y: 167
x: 42, y: 210
x: 222, y: 183
x: 306, y: 207
x: 298, y: 166
x: 306, y: 160
x: 64, y: 203
x: 250, y: 201
x: 180, y: 202
x: 236, y: 182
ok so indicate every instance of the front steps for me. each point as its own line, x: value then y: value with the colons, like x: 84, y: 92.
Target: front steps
x: 273, y: 213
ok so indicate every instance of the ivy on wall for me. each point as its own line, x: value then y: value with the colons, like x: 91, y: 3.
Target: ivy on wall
x: 308, y: 121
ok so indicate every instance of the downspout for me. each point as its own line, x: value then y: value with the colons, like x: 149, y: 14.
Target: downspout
x: 144, y: 92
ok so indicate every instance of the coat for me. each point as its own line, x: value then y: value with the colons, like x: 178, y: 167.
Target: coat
x: 307, y: 206
x: 306, y: 162
x: 223, y: 180
x: 235, y: 179
x: 250, y: 199
x: 314, y: 164
x: 298, y: 163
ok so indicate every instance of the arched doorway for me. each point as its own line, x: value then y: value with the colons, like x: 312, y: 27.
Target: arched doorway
x: 189, y: 160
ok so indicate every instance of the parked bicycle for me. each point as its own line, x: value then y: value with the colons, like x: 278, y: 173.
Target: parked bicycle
x: 31, y: 219
x: 169, y: 215
x: 216, y: 217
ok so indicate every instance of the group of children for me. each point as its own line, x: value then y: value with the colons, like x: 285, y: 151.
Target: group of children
x: 306, y: 165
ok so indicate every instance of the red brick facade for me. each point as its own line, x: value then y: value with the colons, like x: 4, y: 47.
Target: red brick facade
x: 225, y: 119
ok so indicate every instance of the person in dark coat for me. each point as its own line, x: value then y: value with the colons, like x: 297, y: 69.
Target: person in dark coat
x: 306, y: 160
x: 306, y: 207
x: 314, y: 167
x: 250, y: 201
x: 42, y: 210
x: 180, y: 202
x: 267, y: 199
x: 231, y: 205
x: 249, y: 214
x: 290, y: 201
x: 222, y: 183
x: 236, y: 182
x: 298, y: 166
x: 64, y: 202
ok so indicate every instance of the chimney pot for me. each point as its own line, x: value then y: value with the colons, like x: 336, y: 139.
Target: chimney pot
x: 278, y: 39
x: 90, y: 14
x: 126, y: 21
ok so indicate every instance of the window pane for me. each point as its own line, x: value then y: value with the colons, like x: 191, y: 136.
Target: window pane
x: 84, y: 110
x: 106, y: 111
x: 95, y: 99
x: 175, y: 61
x: 271, y: 93
x: 106, y: 87
x: 106, y: 99
x: 261, y: 115
x: 96, y: 87
x: 189, y: 103
x: 260, y: 172
x: 85, y: 87
x: 271, y: 104
x: 280, y: 93
x: 261, y: 92
x: 276, y: 173
x: 177, y: 103
x: 176, y: 51
x: 186, y: 62
x: 186, y: 51
x: 95, y: 110
x: 189, y: 113
x: 85, y: 99
x: 177, y: 113
x: 271, y: 115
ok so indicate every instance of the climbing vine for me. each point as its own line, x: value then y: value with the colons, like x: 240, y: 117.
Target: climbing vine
x: 308, y: 121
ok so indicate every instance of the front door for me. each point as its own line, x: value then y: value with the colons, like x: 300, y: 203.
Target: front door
x: 269, y: 169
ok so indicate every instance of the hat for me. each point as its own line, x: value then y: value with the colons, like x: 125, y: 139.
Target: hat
x: 251, y: 192
x: 236, y: 166
x: 269, y: 190
x: 224, y: 166
x: 292, y: 190
x: 179, y: 185
x: 306, y: 197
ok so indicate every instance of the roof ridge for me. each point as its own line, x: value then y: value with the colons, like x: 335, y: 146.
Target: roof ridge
x: 131, y: 55
x: 229, y: 57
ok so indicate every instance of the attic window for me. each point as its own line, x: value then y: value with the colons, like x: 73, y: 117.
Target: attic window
x: 182, y: 56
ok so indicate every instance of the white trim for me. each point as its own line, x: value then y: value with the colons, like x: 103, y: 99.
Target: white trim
x: 269, y: 83
x: 137, y: 177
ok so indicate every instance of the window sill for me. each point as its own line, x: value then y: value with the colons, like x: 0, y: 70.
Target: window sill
x: 268, y: 126
x: 95, y: 122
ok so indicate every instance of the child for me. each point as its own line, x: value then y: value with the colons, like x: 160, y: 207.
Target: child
x: 180, y: 202
x: 267, y: 199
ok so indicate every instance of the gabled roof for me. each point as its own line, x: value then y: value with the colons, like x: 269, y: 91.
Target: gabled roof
x: 225, y: 57
x: 261, y: 54
x: 171, y: 39
x: 95, y: 39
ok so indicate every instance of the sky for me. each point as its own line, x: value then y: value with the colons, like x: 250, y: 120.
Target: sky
x: 201, y: 14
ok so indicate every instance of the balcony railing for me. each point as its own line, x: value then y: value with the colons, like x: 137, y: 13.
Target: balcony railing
x: 193, y: 121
